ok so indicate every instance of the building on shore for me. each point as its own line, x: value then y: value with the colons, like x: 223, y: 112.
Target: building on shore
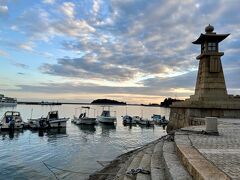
x: 211, y: 97
x: 7, y: 101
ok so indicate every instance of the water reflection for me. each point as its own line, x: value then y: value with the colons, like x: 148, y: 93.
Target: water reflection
x: 130, y: 126
x: 49, y: 132
x: 142, y: 126
x: 88, y: 129
x: 10, y: 134
x: 107, y: 129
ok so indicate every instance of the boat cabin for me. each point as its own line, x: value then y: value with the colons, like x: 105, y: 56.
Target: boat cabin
x: 105, y: 113
x: 53, y: 115
x: 11, y: 115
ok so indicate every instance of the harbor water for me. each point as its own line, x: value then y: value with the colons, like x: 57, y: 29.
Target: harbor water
x: 74, y: 152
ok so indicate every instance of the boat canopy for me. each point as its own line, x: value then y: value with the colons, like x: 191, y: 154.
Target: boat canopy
x: 12, y: 113
x: 105, y: 113
x: 53, y: 115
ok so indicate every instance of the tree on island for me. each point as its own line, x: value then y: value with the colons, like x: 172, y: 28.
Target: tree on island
x: 108, y: 101
x: 168, y: 101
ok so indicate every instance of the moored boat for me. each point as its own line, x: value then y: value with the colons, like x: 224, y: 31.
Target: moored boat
x: 51, y: 121
x: 54, y: 121
x: 127, y: 120
x: 106, y: 116
x: 145, y: 122
x: 158, y: 119
x: 11, y: 120
x: 39, y: 123
x: 84, y: 117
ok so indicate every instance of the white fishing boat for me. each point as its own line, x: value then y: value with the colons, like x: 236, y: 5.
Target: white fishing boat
x: 106, y: 116
x: 142, y: 121
x: 127, y: 120
x: 54, y: 121
x: 84, y: 117
x: 11, y: 120
x: 51, y: 121
x: 145, y: 122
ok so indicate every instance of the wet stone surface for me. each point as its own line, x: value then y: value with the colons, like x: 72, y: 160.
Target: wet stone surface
x: 223, y: 150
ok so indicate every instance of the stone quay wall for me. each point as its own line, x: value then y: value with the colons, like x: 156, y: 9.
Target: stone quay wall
x: 187, y: 116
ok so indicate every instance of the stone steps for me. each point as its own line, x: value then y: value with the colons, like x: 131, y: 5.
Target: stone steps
x: 123, y: 169
x: 173, y: 167
x: 145, y: 164
x: 148, y: 158
x: 157, y: 168
x: 134, y: 165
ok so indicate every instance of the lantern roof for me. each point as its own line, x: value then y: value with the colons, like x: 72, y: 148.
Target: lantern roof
x: 210, y: 36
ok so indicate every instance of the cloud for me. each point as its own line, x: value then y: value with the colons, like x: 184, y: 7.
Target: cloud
x: 96, y: 6
x: 3, y: 53
x: 56, y: 88
x: 49, y: 1
x: 68, y: 8
x: 21, y: 65
x: 147, y: 43
x: 88, y: 68
x: 3, y: 9
x: 28, y: 46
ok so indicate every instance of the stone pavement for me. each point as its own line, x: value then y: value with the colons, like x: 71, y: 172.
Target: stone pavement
x: 223, y: 151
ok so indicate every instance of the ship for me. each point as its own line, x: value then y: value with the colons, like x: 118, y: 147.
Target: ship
x: 7, y: 101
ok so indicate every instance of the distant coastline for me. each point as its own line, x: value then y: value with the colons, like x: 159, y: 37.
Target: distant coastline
x: 166, y: 103
x: 39, y: 103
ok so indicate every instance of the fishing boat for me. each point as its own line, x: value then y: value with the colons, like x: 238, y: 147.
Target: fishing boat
x: 39, y: 123
x: 142, y: 121
x: 54, y: 121
x: 51, y: 121
x: 136, y: 118
x: 145, y: 122
x: 11, y: 120
x: 127, y: 120
x: 84, y: 117
x: 158, y: 119
x: 106, y: 116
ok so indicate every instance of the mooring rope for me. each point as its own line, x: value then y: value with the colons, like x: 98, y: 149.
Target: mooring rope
x: 50, y: 170
x: 132, y: 171
x: 77, y: 172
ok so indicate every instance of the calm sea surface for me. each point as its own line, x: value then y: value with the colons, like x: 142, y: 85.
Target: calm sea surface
x: 73, y: 153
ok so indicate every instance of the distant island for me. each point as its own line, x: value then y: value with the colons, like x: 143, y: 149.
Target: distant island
x: 168, y: 101
x: 108, y: 102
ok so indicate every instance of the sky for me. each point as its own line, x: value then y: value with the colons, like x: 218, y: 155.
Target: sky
x: 137, y: 51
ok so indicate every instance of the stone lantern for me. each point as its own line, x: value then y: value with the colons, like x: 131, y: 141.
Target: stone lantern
x: 210, y: 80
x: 210, y: 98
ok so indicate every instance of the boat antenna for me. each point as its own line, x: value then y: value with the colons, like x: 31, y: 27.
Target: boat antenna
x: 94, y: 112
x: 31, y: 113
